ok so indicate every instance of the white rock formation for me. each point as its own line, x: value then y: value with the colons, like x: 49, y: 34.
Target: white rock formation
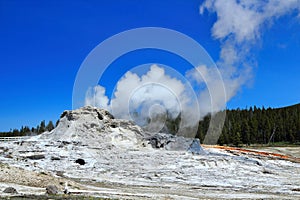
x: 93, y: 127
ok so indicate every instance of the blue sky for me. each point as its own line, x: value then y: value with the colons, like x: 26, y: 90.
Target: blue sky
x: 43, y: 43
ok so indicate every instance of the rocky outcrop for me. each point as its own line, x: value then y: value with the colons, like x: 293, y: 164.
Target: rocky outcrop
x: 90, y: 126
x: 175, y: 143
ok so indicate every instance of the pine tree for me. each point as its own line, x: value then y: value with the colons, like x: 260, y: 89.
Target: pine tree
x: 50, y: 126
x: 42, y: 127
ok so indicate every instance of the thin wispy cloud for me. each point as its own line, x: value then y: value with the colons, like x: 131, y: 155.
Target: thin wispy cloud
x: 239, y: 27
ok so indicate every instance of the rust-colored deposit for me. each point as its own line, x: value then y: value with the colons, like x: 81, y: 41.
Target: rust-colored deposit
x: 236, y: 150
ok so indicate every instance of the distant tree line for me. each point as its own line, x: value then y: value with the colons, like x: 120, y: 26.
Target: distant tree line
x: 257, y: 126
x: 26, y: 131
x: 247, y: 126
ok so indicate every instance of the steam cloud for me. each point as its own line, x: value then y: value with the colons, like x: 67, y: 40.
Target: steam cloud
x: 96, y: 97
x: 140, y: 93
x: 239, y: 26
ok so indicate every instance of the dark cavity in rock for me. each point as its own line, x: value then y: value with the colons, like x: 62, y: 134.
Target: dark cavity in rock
x: 80, y: 161
x: 99, y: 116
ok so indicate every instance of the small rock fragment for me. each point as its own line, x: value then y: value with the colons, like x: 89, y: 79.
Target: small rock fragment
x: 55, y: 158
x: 36, y: 157
x: 51, y: 189
x: 10, y: 190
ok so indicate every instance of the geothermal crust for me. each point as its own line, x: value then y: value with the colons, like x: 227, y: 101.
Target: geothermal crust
x: 114, y: 158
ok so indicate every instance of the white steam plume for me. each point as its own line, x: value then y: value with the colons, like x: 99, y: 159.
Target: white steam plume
x: 239, y: 26
x: 155, y: 85
x: 151, y: 94
x: 132, y: 90
x: 96, y: 97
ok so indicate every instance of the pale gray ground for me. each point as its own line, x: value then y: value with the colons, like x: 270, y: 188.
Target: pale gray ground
x: 119, y: 164
x: 289, y: 151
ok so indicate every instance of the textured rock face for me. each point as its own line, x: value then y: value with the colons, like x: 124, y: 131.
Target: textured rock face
x: 95, y: 127
x: 92, y: 126
x: 91, y: 138
x: 171, y: 142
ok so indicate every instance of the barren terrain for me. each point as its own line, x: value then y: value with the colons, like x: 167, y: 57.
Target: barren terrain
x: 119, y: 164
